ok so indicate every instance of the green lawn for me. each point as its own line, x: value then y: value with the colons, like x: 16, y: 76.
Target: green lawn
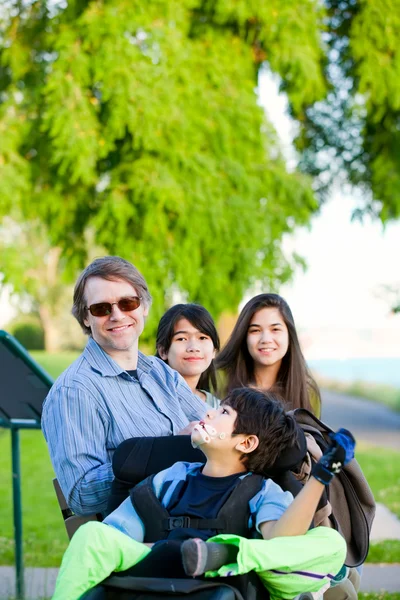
x: 45, y: 538
x: 382, y: 469
x: 380, y: 596
x: 44, y: 532
x: 54, y: 364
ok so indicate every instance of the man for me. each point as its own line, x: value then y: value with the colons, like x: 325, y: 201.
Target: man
x: 112, y: 391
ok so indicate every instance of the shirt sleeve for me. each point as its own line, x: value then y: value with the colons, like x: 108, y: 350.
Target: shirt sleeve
x: 193, y: 406
x: 125, y: 519
x: 76, y: 429
x: 270, y: 503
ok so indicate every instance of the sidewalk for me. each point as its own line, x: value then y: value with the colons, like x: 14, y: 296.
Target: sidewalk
x: 39, y: 583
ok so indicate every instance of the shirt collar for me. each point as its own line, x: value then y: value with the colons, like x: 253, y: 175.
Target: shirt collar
x: 101, y: 362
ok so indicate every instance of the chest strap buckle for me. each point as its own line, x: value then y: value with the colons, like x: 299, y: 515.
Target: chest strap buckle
x: 177, y: 523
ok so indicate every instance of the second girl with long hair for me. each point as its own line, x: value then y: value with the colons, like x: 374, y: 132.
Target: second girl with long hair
x: 264, y: 352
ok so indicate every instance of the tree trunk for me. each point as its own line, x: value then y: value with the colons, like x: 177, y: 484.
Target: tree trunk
x: 52, y: 338
x: 226, y: 323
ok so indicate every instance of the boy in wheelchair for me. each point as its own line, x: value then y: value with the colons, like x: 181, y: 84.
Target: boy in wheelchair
x: 192, y: 519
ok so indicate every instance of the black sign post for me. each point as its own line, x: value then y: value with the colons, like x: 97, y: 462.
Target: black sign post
x: 24, y: 386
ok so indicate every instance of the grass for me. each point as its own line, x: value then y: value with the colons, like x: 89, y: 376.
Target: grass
x: 379, y: 596
x: 44, y: 532
x: 381, y: 467
x: 384, y: 394
x: 54, y: 364
x: 45, y: 537
x: 387, y: 551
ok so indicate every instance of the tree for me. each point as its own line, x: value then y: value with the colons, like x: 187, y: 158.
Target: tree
x: 354, y: 132
x: 37, y: 274
x: 140, y: 120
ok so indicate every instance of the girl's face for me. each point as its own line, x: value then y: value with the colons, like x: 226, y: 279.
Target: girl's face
x: 267, y: 338
x: 190, y: 352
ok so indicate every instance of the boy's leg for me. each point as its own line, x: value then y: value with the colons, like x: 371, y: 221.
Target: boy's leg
x: 164, y: 560
x: 95, y: 551
x: 345, y: 589
x: 288, y: 565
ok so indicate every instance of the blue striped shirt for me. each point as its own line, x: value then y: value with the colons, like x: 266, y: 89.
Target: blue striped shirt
x: 95, y: 405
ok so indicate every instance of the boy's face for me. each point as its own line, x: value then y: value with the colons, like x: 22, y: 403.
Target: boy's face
x: 222, y: 419
x: 222, y: 440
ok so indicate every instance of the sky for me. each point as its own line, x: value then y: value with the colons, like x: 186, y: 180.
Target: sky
x: 348, y: 262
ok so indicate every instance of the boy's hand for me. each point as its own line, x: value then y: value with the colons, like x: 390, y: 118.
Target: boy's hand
x: 339, y: 453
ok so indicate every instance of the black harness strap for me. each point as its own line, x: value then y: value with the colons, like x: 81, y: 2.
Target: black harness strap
x: 192, y: 523
x: 149, y: 509
x: 233, y: 517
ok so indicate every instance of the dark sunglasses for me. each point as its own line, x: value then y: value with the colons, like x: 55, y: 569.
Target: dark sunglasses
x: 102, y: 309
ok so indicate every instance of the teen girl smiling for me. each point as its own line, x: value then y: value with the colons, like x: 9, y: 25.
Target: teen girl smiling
x: 264, y: 352
x: 187, y: 341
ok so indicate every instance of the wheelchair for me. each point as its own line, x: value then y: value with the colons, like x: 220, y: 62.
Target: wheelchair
x: 157, y: 454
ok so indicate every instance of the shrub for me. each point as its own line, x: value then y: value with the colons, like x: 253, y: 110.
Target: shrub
x: 28, y: 331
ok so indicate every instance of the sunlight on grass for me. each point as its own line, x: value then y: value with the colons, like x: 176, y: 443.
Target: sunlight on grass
x: 45, y: 538
x: 54, y: 364
x: 381, y: 467
x: 387, y: 551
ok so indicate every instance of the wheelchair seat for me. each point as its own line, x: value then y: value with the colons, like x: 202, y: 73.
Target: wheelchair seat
x: 124, y: 587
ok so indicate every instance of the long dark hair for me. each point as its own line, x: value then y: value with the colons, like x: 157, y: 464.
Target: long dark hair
x: 201, y: 319
x: 294, y: 382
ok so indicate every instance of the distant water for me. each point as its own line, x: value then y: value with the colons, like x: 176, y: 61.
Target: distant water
x: 374, y: 370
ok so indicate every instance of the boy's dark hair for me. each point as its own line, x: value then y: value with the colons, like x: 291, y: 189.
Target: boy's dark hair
x: 262, y: 414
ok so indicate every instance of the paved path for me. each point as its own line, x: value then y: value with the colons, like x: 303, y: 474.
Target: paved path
x: 368, y: 421
x: 376, y: 578
x: 39, y: 583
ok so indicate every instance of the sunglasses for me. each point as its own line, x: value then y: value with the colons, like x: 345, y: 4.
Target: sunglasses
x: 102, y: 309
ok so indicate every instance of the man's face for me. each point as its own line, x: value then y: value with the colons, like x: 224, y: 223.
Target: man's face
x: 118, y: 332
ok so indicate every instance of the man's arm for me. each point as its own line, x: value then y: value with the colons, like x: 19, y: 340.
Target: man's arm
x: 76, y: 431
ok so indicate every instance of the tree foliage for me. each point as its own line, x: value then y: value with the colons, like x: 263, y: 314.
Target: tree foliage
x: 36, y: 270
x: 140, y: 121
x: 355, y: 131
